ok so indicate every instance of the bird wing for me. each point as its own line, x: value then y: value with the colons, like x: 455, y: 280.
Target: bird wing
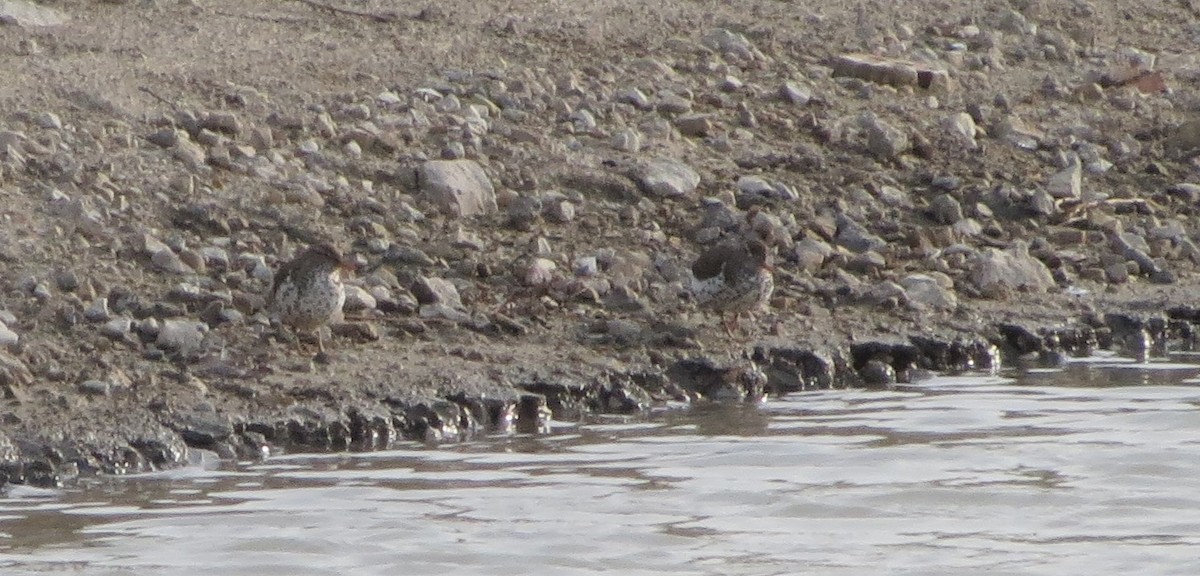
x: 280, y: 276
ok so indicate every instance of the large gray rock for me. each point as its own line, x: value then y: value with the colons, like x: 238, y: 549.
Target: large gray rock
x: 926, y: 291
x: 885, y: 141
x: 8, y: 338
x: 996, y: 272
x: 1068, y: 182
x: 433, y: 290
x: 668, y: 179
x: 185, y: 336
x: 855, y: 237
x: 29, y: 14
x: 458, y: 187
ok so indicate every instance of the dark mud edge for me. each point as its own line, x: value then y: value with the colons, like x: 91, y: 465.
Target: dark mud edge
x: 372, y: 422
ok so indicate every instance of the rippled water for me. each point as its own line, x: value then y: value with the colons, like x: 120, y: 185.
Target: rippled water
x: 1088, y: 469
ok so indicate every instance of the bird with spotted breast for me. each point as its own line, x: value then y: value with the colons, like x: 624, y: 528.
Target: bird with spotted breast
x: 307, y: 292
x: 734, y: 277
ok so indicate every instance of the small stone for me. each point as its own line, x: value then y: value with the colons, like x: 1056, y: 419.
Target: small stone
x: 795, y: 93
x: 586, y: 266
x: 810, y: 254
x: 67, y: 281
x: 925, y: 291
x: 540, y: 272
x: 729, y: 43
x: 167, y: 261
x: 190, y: 154
x: 627, y: 140
x: 48, y: 121
x: 673, y: 103
x: 668, y: 179
x: 1116, y: 273
x: 560, y: 211
x: 634, y: 97
x: 95, y: 387
x: 1067, y: 183
x: 855, y: 237
x: 185, y: 336
x: 431, y: 290
x: 117, y: 328
x: 883, y: 140
x: 694, y: 125
x: 8, y: 338
x: 995, y: 272
x: 98, y: 311
x: 962, y: 130
x: 946, y: 209
x: 358, y: 299
x: 877, y: 374
x: 460, y: 187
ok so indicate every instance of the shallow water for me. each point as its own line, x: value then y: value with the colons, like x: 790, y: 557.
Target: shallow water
x: 1091, y: 468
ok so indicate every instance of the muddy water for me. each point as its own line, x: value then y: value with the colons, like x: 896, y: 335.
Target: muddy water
x: 1085, y: 469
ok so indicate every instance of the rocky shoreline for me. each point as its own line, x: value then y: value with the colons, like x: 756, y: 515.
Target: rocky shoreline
x: 524, y: 191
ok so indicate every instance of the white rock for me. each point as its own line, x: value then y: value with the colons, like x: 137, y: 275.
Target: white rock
x: 29, y: 14
x: 995, y: 270
x: 586, y: 266
x: 98, y: 311
x: 668, y: 179
x: 540, y: 272
x: 358, y: 299
x: 432, y: 290
x: 460, y: 187
x: 183, y: 335
x: 116, y: 328
x: 925, y: 291
x: 1068, y: 182
x: 8, y: 338
x: 168, y: 261
x: 962, y: 129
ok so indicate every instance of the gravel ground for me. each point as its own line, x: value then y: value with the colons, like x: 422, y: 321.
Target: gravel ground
x: 525, y: 185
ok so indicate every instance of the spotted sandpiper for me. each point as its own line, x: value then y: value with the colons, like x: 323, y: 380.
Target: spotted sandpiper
x: 733, y: 277
x: 307, y: 293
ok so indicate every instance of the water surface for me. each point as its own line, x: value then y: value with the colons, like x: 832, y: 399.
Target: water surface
x: 1085, y: 469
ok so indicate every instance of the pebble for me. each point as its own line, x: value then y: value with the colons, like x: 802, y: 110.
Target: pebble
x: 167, y: 261
x: 962, y: 129
x: 185, y: 336
x: 96, y: 387
x: 627, y: 140
x: 358, y: 299
x: 539, y: 272
x: 666, y: 178
x: 856, y: 237
x: 995, y: 272
x: 8, y: 338
x: 97, y: 311
x: 925, y: 291
x: 795, y: 93
x: 117, y: 328
x: 946, y: 209
x: 459, y: 187
x: 1068, y: 182
x: 885, y: 141
x: 432, y: 290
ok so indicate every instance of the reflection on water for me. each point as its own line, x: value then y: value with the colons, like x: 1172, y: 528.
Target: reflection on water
x: 1070, y: 470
